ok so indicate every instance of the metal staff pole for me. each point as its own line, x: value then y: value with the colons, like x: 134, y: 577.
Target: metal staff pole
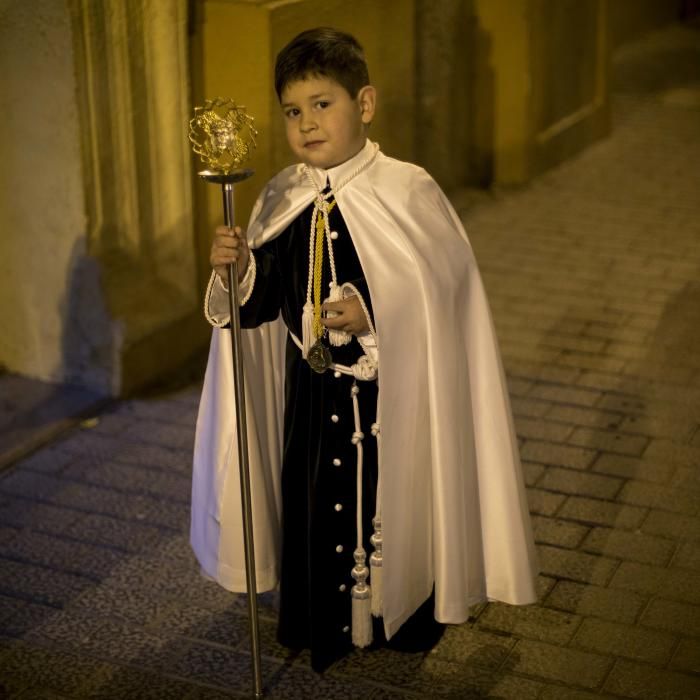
x: 222, y: 134
x: 241, y: 427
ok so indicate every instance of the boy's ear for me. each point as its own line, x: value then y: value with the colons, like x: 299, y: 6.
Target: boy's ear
x: 367, y: 99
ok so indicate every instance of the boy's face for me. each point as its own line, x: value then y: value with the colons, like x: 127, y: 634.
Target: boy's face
x: 325, y: 126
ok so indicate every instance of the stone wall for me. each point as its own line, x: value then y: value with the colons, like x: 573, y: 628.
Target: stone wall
x: 132, y: 65
x: 54, y: 323
x: 104, y: 251
x: 98, y: 279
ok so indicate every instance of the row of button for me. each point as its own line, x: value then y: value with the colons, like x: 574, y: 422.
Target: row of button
x: 336, y: 463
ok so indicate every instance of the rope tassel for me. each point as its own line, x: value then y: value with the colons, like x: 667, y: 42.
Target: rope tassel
x: 361, y: 593
x: 375, y: 565
x: 376, y: 560
x: 307, y: 329
x: 312, y: 328
x: 361, y: 602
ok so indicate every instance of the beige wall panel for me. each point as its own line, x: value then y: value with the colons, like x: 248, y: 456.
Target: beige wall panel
x: 504, y: 88
x: 540, y: 88
x: 570, y: 66
x: 565, y: 58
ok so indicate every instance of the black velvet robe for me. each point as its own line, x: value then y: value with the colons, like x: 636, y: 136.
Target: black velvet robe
x: 319, y: 532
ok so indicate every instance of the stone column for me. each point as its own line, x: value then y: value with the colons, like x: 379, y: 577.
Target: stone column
x: 551, y: 94
x: 447, y: 75
x: 508, y: 88
x: 133, y: 78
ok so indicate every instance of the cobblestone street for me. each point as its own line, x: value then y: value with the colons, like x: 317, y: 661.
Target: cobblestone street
x: 593, y: 274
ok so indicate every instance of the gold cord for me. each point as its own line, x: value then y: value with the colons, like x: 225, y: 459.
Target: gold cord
x: 319, y: 328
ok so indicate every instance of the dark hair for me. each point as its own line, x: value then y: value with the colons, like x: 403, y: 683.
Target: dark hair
x: 322, y: 51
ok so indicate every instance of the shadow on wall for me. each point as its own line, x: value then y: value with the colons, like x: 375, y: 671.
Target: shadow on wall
x: 455, y: 99
x: 480, y: 106
x: 91, y: 342
x: 34, y: 411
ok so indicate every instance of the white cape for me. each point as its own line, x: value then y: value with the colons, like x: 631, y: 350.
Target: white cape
x: 454, y: 512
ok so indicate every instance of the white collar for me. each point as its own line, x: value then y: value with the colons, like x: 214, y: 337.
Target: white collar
x: 339, y: 173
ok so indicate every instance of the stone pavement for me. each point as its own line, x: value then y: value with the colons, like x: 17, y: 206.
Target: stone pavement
x: 33, y: 412
x: 593, y: 273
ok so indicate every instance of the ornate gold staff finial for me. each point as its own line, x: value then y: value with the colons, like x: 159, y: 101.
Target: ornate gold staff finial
x: 222, y: 134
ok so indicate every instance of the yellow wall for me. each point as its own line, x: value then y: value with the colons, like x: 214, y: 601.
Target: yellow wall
x: 570, y: 56
x: 507, y: 24
x: 542, y: 68
x: 101, y: 264
x: 234, y: 48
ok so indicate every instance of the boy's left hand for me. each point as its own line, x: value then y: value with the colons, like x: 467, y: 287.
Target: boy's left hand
x: 350, y: 316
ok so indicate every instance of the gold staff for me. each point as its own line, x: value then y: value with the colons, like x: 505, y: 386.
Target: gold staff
x: 223, y: 135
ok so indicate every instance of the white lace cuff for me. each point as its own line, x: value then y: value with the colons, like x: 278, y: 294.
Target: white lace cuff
x: 367, y: 340
x: 216, y: 309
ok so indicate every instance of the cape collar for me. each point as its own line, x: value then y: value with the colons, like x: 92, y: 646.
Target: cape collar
x: 337, y: 174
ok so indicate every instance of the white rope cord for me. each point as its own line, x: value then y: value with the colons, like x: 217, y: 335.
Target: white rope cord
x: 331, y: 257
x: 375, y: 559
x: 335, y: 337
x: 349, y: 286
x: 357, y: 437
x: 207, y: 301
x: 320, y: 205
x: 248, y: 283
x: 352, y: 175
x: 365, y: 369
x: 312, y: 244
x: 361, y: 592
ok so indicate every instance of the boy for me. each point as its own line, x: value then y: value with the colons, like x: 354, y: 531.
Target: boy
x: 371, y: 272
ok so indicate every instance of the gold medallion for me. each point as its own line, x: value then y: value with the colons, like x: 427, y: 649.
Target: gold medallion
x: 319, y: 357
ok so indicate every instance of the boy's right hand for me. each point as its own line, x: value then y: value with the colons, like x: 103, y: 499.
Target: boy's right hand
x: 229, y: 245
